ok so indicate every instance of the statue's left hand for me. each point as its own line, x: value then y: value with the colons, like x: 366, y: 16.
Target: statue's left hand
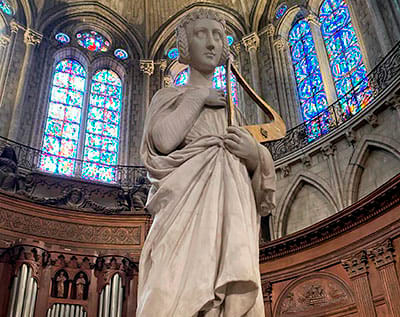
x: 242, y: 144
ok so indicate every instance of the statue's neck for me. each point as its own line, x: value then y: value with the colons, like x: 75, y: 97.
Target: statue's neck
x: 200, y: 79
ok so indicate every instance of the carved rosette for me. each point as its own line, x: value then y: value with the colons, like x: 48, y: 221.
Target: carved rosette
x: 34, y: 257
x: 356, y: 265
x: 32, y: 37
x: 147, y: 66
x: 251, y: 42
x: 107, y: 266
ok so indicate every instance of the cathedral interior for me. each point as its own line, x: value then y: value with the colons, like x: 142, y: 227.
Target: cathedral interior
x: 76, y: 78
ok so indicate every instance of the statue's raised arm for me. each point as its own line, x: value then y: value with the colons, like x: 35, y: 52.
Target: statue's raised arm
x: 210, y: 184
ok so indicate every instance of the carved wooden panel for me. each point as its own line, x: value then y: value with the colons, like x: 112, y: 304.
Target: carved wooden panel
x: 313, y: 295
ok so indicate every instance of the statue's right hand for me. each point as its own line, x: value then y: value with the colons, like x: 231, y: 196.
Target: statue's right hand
x: 216, y: 98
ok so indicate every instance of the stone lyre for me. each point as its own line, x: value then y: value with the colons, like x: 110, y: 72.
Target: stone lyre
x: 264, y: 132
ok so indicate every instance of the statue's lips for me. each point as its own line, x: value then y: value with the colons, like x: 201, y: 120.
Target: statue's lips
x: 211, y: 55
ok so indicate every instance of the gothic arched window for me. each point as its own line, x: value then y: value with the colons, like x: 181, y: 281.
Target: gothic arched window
x: 61, y: 135
x: 344, y: 55
x: 307, y: 72
x: 219, y: 81
x: 99, y: 145
x: 102, y: 128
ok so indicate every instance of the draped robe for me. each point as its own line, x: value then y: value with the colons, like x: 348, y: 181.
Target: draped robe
x: 201, y: 255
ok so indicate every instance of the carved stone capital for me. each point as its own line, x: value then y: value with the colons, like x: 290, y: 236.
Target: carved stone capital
x: 351, y: 137
x: 382, y: 253
x: 163, y: 64
x: 306, y: 160
x: 328, y: 149
x: 270, y: 29
x: 357, y: 264
x: 168, y: 81
x: 15, y: 26
x: 147, y: 66
x: 251, y: 42
x: 4, y: 40
x: 313, y: 18
x: 32, y: 37
x: 372, y: 120
x: 285, y: 170
x: 281, y: 44
x: 237, y: 47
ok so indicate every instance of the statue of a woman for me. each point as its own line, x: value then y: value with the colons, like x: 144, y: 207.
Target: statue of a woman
x: 210, y: 184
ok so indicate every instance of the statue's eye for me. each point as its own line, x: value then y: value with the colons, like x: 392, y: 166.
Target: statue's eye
x: 201, y: 34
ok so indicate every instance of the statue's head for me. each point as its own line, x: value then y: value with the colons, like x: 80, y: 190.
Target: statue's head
x: 202, y: 41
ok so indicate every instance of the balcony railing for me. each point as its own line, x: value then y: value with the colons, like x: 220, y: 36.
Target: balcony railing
x: 383, y: 75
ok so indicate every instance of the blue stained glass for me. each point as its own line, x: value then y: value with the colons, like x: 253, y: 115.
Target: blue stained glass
x: 101, y: 143
x: 121, y: 54
x: 62, y: 38
x: 92, y: 41
x: 280, y: 11
x: 344, y: 55
x: 6, y: 7
x: 230, y: 40
x: 219, y: 81
x: 308, y: 75
x: 61, y: 135
x: 173, y: 53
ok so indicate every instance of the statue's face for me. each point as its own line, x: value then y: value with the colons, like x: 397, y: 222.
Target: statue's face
x: 205, y: 38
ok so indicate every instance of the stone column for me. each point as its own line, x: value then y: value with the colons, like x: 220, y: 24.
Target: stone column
x: 31, y: 39
x: 357, y: 268
x: 286, y: 82
x: 163, y: 66
x: 329, y: 152
x: 4, y: 42
x: 267, y: 294
x: 383, y: 258
x: 322, y: 56
x: 14, y: 26
x: 147, y: 67
x: 251, y: 43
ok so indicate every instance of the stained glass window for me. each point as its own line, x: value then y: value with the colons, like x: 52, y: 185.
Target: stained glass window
x: 61, y: 136
x: 280, y: 11
x: 345, y: 57
x: 307, y: 72
x: 102, y: 130
x: 219, y: 81
x: 62, y: 38
x: 120, y: 53
x: 92, y: 41
x: 173, y: 53
x: 6, y: 7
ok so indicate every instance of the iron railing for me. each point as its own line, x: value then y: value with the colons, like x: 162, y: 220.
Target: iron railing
x: 383, y: 75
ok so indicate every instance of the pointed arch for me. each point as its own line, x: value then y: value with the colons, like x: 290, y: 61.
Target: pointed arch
x: 290, y: 193
x: 358, y: 158
x: 163, y: 34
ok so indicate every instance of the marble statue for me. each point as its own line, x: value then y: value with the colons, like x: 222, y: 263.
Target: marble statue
x: 210, y: 184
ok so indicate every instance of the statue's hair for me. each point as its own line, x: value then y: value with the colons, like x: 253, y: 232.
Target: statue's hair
x: 182, y: 41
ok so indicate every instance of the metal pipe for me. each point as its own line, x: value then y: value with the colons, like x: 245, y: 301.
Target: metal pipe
x: 21, y: 290
x: 33, y: 298
x: 114, y: 295
x: 57, y: 313
x: 53, y: 310
x: 13, y: 296
x: 67, y: 310
x: 72, y: 313
x: 28, y: 295
x: 106, y: 300
x: 81, y: 312
x: 120, y: 297
x: 101, y: 304
x: 62, y: 310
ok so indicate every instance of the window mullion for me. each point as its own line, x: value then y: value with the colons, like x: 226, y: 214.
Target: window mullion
x: 323, y: 60
x: 85, y: 111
